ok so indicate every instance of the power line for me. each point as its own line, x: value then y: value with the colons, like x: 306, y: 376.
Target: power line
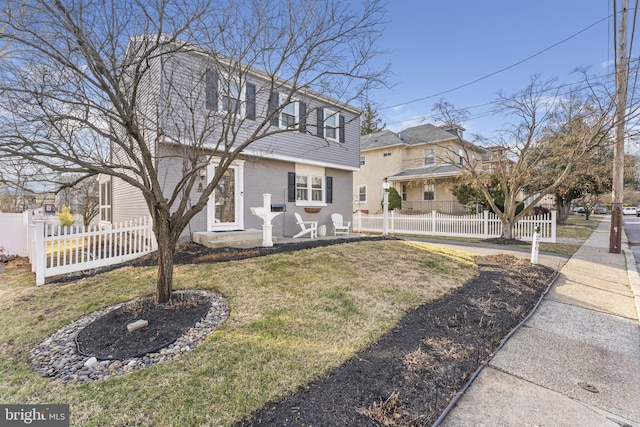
x: 493, y: 111
x: 500, y: 70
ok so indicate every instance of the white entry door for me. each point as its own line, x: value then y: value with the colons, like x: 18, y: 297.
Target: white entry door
x: 224, y: 211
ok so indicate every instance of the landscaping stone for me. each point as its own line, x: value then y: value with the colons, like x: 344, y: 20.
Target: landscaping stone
x: 138, y: 324
x: 57, y: 357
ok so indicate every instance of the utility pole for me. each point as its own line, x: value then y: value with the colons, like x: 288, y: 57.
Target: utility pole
x: 615, y: 239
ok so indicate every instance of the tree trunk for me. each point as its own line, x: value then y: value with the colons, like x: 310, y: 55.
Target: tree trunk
x: 166, y: 250
x: 507, y: 230
x: 164, y: 284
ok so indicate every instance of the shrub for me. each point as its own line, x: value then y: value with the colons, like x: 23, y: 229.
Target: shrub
x: 65, y: 217
x: 395, y: 201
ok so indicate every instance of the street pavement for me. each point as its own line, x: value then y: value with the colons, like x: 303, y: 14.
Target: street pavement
x: 576, y: 360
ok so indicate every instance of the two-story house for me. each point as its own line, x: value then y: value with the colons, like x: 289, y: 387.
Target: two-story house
x: 306, y: 160
x: 421, y: 163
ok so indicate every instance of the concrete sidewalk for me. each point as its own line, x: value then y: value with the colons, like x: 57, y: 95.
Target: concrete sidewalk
x: 576, y: 361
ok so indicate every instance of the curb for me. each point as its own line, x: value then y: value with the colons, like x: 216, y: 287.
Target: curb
x: 634, y: 279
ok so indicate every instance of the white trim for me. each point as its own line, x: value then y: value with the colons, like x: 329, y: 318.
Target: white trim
x: 290, y: 159
x: 327, y: 113
x: 238, y: 166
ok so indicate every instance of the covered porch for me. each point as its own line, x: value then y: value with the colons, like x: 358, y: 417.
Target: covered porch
x: 428, y: 189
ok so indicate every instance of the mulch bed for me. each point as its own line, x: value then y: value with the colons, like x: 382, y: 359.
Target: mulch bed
x: 410, y: 375
x: 108, y: 337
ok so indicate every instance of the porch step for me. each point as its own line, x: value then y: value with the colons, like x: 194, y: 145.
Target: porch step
x: 233, y: 239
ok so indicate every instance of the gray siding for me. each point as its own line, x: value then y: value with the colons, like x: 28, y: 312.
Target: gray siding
x: 185, y: 88
x: 271, y: 177
x: 173, y: 98
x: 127, y: 202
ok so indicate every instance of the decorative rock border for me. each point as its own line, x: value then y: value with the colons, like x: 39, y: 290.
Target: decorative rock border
x: 57, y: 357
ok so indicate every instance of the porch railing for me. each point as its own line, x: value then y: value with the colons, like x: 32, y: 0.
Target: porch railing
x: 428, y: 206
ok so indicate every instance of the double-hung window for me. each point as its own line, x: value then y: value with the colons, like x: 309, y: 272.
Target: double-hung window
x: 331, y: 125
x: 362, y: 194
x: 289, y: 115
x: 309, y: 188
x: 429, y: 157
x: 429, y: 192
x: 105, y: 201
x: 230, y: 96
x: 225, y: 94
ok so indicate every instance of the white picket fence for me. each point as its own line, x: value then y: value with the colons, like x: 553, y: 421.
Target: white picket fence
x: 55, y: 250
x: 483, y: 226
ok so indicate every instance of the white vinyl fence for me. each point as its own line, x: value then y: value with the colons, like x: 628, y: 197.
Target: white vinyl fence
x: 13, y: 232
x: 483, y: 226
x: 58, y: 250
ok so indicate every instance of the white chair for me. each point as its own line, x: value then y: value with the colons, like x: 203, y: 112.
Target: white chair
x: 339, y: 226
x: 306, y: 227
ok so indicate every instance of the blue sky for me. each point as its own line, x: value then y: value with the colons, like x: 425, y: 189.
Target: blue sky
x: 435, y: 46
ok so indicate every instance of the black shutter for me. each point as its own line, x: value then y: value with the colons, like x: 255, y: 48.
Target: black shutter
x: 291, y: 187
x: 211, y: 90
x: 251, y: 101
x: 274, y: 103
x: 302, y: 111
x: 320, y: 122
x: 329, y: 189
x: 341, y: 129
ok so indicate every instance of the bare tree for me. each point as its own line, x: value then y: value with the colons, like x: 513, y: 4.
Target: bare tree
x: 545, y: 128
x: 77, y: 94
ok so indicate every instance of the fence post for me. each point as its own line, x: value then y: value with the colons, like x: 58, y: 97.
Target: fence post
x: 553, y: 226
x: 433, y: 222
x: 40, y: 252
x: 393, y: 222
x: 485, y: 224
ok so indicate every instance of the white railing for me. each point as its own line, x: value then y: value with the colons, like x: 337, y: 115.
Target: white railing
x: 483, y: 226
x: 58, y: 250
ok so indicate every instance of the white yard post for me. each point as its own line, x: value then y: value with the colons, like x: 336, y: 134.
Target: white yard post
x: 40, y: 249
x: 535, y: 246
x: 385, y: 207
x: 267, y: 227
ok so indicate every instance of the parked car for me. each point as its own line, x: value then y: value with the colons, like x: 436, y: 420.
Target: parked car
x: 629, y: 210
x: 579, y: 210
x: 601, y: 210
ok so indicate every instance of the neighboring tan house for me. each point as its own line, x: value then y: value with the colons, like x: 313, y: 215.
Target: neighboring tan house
x: 421, y: 163
x: 308, y: 170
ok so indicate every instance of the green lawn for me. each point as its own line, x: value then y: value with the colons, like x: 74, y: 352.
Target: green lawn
x: 294, y: 317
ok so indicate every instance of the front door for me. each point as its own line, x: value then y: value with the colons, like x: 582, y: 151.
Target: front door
x: 224, y: 211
